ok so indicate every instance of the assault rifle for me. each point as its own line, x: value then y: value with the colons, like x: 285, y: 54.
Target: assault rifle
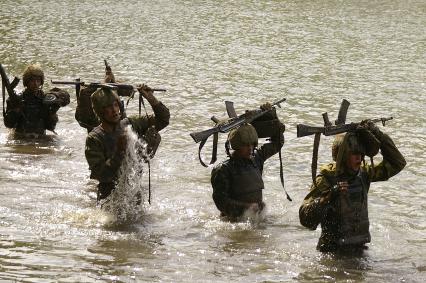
x: 127, y: 87
x: 329, y: 129
x: 232, y: 123
x: 9, y: 86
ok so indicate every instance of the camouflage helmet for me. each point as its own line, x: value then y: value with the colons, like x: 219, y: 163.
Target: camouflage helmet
x: 244, y: 135
x: 102, y: 98
x: 32, y: 71
x: 338, y: 139
x: 349, y: 144
x: 353, y: 144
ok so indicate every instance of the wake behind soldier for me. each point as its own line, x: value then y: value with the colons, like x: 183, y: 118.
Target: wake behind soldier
x: 338, y: 199
x: 237, y: 182
x: 33, y: 112
x: 106, y: 143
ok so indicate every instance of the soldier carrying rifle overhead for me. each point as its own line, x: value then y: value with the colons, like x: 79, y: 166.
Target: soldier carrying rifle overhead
x: 237, y: 182
x: 338, y: 196
x: 106, y: 143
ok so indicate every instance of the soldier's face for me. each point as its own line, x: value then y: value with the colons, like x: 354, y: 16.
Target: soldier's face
x: 112, y: 113
x: 34, y: 84
x: 245, y: 151
x: 354, y: 161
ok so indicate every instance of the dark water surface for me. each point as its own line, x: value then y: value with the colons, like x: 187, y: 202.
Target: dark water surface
x: 314, y: 53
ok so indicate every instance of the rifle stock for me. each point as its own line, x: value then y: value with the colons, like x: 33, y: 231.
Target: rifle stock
x: 202, y: 135
x: 305, y: 130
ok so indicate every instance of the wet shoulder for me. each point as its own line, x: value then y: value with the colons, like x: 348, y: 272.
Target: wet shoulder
x: 97, y: 133
x: 222, y: 167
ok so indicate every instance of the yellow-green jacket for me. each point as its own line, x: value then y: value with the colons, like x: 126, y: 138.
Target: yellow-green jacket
x: 312, y: 212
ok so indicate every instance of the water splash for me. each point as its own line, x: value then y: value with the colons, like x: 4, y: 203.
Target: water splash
x: 255, y: 218
x: 126, y: 203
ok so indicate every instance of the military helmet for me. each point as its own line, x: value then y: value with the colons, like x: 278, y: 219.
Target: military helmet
x: 243, y: 135
x: 33, y: 71
x: 353, y: 144
x: 101, y: 98
x: 338, y: 140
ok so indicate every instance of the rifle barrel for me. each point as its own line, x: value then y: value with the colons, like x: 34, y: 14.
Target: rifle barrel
x: 67, y: 82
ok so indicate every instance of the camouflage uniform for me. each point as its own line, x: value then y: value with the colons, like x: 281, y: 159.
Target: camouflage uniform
x: 344, y: 218
x: 28, y: 113
x: 237, y: 182
x: 101, y: 147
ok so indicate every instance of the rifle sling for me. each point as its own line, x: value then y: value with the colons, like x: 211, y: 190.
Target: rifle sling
x: 3, y: 93
x: 141, y: 103
x: 214, y: 152
x: 282, y: 175
x: 315, y: 157
x: 149, y: 182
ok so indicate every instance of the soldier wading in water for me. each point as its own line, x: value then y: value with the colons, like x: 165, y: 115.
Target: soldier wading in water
x: 338, y: 200
x: 33, y: 112
x: 106, y: 143
x: 237, y: 182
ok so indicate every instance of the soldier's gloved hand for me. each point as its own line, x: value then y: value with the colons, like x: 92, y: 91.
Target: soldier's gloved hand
x: 145, y: 90
x: 372, y: 127
x: 266, y: 106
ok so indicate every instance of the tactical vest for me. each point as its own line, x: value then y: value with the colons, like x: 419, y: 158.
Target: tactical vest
x: 33, y: 111
x: 247, y: 183
x: 352, y: 212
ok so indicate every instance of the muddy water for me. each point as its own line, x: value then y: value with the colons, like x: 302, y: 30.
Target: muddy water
x: 314, y: 53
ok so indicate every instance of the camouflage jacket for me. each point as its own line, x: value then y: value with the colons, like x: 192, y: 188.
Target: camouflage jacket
x: 312, y: 212
x: 238, y: 182
x: 27, y: 114
x: 101, y: 153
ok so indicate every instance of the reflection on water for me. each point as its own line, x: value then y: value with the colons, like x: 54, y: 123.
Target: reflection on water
x: 314, y: 53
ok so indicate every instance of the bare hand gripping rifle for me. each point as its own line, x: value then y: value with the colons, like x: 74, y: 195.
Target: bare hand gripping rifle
x: 329, y: 129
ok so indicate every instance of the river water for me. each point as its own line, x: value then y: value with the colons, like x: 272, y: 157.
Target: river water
x: 314, y: 53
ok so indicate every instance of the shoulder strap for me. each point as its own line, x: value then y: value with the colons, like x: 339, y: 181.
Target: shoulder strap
x: 315, y: 158
x: 3, y: 91
x: 282, y: 176
x: 214, y: 152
